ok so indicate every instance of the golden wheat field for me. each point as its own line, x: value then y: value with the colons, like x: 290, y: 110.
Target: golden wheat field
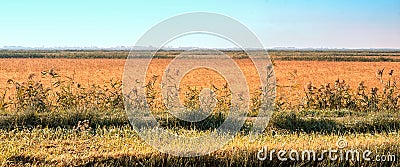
x: 290, y: 75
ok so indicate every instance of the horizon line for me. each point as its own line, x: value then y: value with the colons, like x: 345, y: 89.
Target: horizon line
x: 10, y: 47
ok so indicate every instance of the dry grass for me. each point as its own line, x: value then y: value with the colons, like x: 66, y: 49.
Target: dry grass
x: 86, y: 71
x: 291, y: 76
x: 99, y: 70
x: 90, y: 144
x: 122, y: 146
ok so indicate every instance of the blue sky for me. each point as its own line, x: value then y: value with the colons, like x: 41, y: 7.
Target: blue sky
x: 291, y: 23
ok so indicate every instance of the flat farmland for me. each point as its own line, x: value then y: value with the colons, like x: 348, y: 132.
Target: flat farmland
x: 88, y: 126
x: 288, y: 73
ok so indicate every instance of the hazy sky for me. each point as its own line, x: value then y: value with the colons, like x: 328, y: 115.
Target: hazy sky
x: 297, y: 23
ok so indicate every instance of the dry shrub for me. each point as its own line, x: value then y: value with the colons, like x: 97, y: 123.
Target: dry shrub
x: 61, y: 93
x: 64, y: 93
x: 341, y: 96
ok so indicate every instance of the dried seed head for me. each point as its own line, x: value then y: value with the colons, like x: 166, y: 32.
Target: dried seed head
x: 309, y: 86
x: 328, y: 85
x: 30, y: 77
x: 374, y: 90
x: 51, y: 71
x: 391, y: 72
x: 10, y: 81
x: 379, y: 72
